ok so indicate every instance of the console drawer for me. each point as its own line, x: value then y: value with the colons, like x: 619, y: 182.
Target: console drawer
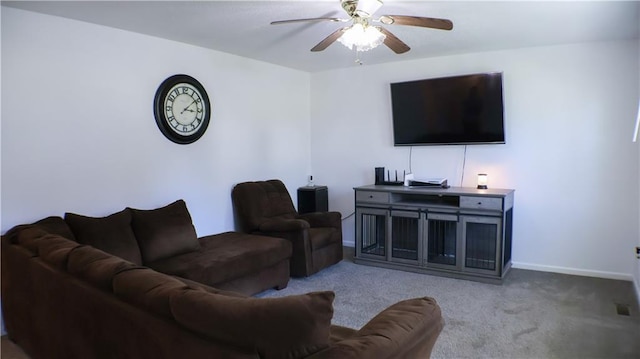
x: 371, y: 196
x: 488, y: 203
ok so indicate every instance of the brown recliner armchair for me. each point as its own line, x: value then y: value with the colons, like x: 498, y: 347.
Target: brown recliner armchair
x: 265, y: 208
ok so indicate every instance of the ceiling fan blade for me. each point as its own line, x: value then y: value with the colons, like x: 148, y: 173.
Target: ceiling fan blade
x: 442, y: 24
x: 314, y: 19
x: 393, y: 42
x: 329, y: 40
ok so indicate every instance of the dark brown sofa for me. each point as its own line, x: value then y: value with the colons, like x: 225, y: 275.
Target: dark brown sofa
x: 164, y: 239
x: 64, y: 299
x: 266, y: 208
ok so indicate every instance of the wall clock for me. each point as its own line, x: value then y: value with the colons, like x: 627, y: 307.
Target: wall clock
x: 181, y: 108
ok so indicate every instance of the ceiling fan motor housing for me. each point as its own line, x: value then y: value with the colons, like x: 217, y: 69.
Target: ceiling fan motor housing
x: 361, y: 8
x: 349, y: 6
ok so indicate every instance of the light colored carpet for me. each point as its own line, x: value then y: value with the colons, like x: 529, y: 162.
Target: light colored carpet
x: 531, y: 315
x: 9, y: 350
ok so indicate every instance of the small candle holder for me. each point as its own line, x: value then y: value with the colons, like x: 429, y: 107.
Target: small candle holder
x: 483, y: 179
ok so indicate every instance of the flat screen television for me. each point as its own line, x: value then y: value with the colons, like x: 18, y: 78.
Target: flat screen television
x: 464, y: 109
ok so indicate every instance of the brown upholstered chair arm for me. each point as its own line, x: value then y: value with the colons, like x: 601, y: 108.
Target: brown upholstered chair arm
x: 283, y: 225
x: 323, y: 219
x: 407, y: 329
x: 301, y: 259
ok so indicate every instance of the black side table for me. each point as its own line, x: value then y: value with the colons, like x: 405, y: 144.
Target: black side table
x: 313, y: 199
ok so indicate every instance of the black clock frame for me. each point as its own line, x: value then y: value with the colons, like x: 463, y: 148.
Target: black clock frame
x: 161, y: 118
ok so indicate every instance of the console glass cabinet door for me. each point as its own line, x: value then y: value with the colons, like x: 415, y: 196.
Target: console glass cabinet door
x: 443, y: 241
x: 371, y: 233
x: 406, y: 237
x: 481, y: 243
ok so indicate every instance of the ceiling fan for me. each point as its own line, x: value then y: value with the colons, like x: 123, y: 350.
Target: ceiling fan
x: 364, y: 36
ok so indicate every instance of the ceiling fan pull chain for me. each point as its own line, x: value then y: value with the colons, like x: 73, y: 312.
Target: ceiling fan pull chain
x: 358, y: 59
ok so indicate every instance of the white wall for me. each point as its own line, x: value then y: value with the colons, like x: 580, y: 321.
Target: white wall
x: 636, y: 273
x: 2, y: 330
x: 78, y: 132
x: 78, y: 135
x: 568, y: 153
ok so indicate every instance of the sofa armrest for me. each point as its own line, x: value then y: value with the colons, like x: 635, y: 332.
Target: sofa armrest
x: 323, y: 219
x: 407, y: 329
x: 283, y: 225
x: 296, y: 231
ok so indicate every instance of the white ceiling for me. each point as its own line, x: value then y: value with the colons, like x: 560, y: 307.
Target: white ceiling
x: 242, y: 27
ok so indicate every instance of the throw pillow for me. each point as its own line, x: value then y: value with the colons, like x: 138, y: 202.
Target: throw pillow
x: 164, y: 232
x: 288, y: 327
x: 112, y: 234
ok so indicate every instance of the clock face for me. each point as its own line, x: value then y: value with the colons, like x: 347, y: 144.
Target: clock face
x: 182, y: 109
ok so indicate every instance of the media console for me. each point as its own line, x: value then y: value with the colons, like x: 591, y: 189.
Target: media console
x: 457, y: 232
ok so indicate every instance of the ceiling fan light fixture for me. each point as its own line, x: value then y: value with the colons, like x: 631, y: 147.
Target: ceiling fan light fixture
x: 362, y: 37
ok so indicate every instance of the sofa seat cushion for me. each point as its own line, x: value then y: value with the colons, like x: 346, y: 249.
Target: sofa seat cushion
x: 112, y: 234
x: 277, y: 328
x: 322, y: 237
x: 164, y: 232
x: 226, y: 256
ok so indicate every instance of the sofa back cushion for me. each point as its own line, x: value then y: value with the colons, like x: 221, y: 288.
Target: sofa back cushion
x: 256, y: 202
x: 112, y: 234
x: 29, y: 237
x: 56, y: 225
x: 199, y: 286
x: 164, y: 232
x: 55, y: 250
x: 49, y: 225
x: 288, y: 327
x: 147, y: 289
x: 96, y: 266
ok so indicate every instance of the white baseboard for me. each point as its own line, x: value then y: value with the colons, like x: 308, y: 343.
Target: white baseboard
x: 349, y: 243
x: 574, y: 271
x: 563, y: 270
x: 636, y: 285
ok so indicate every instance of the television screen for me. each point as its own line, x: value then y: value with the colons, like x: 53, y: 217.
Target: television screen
x: 450, y: 110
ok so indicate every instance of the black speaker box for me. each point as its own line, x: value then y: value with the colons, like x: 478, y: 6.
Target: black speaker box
x: 379, y: 175
x: 313, y: 199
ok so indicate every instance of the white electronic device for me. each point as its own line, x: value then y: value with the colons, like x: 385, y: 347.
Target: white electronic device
x: 428, y: 182
x: 408, y: 177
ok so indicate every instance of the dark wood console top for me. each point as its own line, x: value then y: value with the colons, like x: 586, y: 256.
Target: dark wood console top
x: 453, y: 191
